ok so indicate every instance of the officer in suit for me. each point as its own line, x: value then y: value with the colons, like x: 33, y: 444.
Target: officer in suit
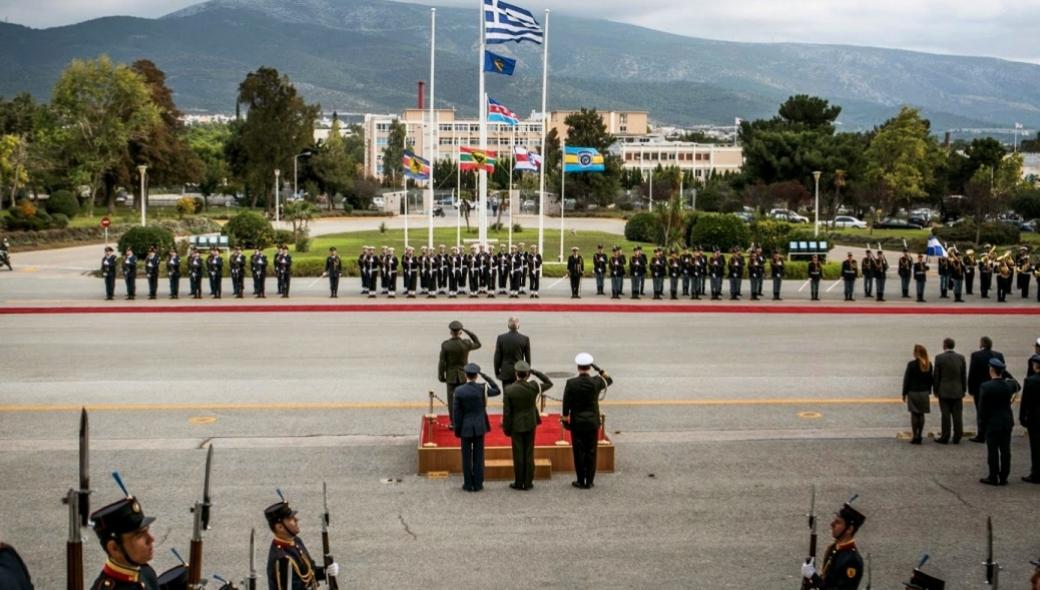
x: 511, y: 348
x: 333, y: 270
x: 123, y: 531
x: 950, y: 382
x: 108, y: 272
x: 978, y: 373
x: 195, y: 274
x: 842, y: 564
x: 581, y: 416
x: 13, y: 573
x: 130, y: 273
x: 575, y: 269
x: 259, y: 268
x: 454, y: 356
x: 599, y: 268
x: 289, y: 564
x: 998, y: 421
x: 215, y: 269
x: 151, y: 271
x: 469, y: 406
x: 173, y: 272
x: 1029, y: 417
x: 520, y: 418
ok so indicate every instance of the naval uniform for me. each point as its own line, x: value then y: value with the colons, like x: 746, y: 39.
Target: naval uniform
x: 581, y: 408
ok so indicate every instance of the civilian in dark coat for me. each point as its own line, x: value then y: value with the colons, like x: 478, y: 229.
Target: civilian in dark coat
x: 471, y: 424
x: 511, y: 348
x: 951, y: 382
x: 998, y: 421
x: 13, y: 573
x: 581, y: 417
x: 1029, y: 417
x: 520, y: 419
x: 917, y: 391
x: 978, y: 373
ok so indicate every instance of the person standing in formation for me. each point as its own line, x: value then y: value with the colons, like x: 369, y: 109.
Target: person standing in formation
x: 776, y: 271
x: 880, y: 274
x: 195, y: 273
x: 333, y: 270
x: 258, y: 264
x: 130, y: 273
x: 905, y: 272
x: 617, y: 273
x: 520, y: 419
x: 815, y: 271
x: 842, y: 563
x: 237, y: 265
x: 108, y: 273
x: 575, y: 270
x: 215, y: 269
x: 599, y: 268
x: 867, y: 267
x: 849, y: 272
x: 151, y: 271
x: 471, y: 423
x: 173, y: 272
x: 920, y: 271
x: 289, y: 564
x: 917, y: 390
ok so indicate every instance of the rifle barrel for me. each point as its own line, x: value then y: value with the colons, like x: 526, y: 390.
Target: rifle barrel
x: 195, y: 563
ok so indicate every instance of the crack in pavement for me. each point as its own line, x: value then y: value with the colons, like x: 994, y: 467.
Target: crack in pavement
x: 407, y: 529
x: 935, y: 480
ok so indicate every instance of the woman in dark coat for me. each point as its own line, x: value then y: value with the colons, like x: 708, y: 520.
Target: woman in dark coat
x: 917, y: 390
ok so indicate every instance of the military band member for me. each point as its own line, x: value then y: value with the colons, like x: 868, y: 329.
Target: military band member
x: 956, y: 277
x: 456, y: 274
x: 880, y: 274
x: 258, y: 264
x: 756, y: 273
x: 969, y: 271
x: 195, y: 274
x: 289, y: 564
x: 108, y: 272
x: 130, y: 273
x: 675, y: 271
x: 443, y: 270
x: 637, y: 270
x: 867, y: 268
x: 842, y: 567
x: 123, y: 531
x: 920, y: 270
x: 333, y: 270
x: 454, y: 356
x: 1005, y: 276
x: 151, y: 271
x: 237, y: 266
x: 815, y: 270
x: 173, y: 272
x: 849, y: 272
x: 905, y: 272
x: 582, y: 417
x: 575, y: 270
x: 617, y: 272
x: 410, y: 269
x: 215, y: 269
x: 503, y: 267
x: 285, y: 271
x: 658, y: 270
x: 985, y: 276
x: 735, y: 270
x: 535, y: 265
x: 520, y: 420
x: 717, y: 270
x: 1025, y: 271
x: 776, y: 271
x: 389, y: 270
x: 944, y: 277
x: 599, y: 268
x: 517, y: 269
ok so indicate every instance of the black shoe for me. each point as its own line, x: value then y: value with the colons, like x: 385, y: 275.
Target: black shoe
x: 989, y: 482
x: 942, y: 441
x: 978, y: 439
x: 915, y: 441
x: 1031, y: 479
x: 880, y: 299
x: 578, y: 485
x: 1002, y: 482
x: 514, y: 486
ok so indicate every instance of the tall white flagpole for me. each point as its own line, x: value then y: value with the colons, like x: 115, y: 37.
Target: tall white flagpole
x: 458, y: 190
x: 405, y: 214
x: 482, y: 173
x: 433, y: 119
x: 563, y: 190
x: 545, y: 130
x: 512, y: 169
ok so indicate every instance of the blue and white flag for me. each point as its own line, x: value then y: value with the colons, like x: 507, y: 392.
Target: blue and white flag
x: 935, y: 248
x: 500, y: 113
x: 504, y: 22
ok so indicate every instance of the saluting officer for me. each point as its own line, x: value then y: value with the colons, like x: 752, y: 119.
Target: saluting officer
x: 849, y: 272
x: 815, y: 270
x: 520, y: 420
x: 581, y: 416
x: 259, y: 268
x: 195, y: 274
x: 842, y: 564
x: 289, y: 564
x: 215, y: 269
x: 173, y: 272
x: 599, y: 268
x: 108, y: 273
x: 130, y: 273
x: 776, y: 271
x: 658, y: 269
x: 905, y: 271
x: 237, y: 266
x: 575, y: 270
x: 151, y: 271
x: 123, y: 531
x: 454, y: 356
x: 920, y: 270
x: 333, y: 270
x: 617, y: 273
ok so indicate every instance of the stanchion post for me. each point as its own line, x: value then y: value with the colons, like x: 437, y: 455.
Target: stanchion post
x: 602, y: 438
x: 431, y: 419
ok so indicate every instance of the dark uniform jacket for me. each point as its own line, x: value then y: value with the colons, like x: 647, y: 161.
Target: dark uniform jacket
x: 215, y: 265
x: 454, y: 356
x: 108, y: 265
x: 151, y: 265
x: 116, y: 577
x: 173, y: 265
x: 575, y: 265
x: 951, y: 375
x: 599, y: 263
x: 995, y: 405
x: 519, y: 405
x: 130, y: 266
x: 13, y: 573
x: 1029, y: 412
x: 333, y: 266
x: 581, y: 399
x: 305, y: 574
x: 842, y: 568
x: 470, y: 409
x: 978, y: 368
x: 617, y: 266
x: 510, y: 348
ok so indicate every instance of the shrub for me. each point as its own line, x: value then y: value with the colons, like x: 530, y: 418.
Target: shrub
x: 626, y: 206
x: 185, y: 206
x: 63, y: 202
x: 347, y: 207
x: 517, y: 228
x: 249, y: 230
x: 720, y: 230
x: 991, y: 233
x: 771, y: 235
x: 303, y: 243
x: 59, y: 221
x: 283, y: 236
x: 27, y: 208
x: 139, y: 239
x: 1027, y: 203
x: 200, y: 204
x: 643, y: 227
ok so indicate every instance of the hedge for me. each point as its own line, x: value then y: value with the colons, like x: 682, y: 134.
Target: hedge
x: 139, y: 239
x: 249, y: 230
x: 720, y: 230
x: 643, y: 227
x: 63, y: 202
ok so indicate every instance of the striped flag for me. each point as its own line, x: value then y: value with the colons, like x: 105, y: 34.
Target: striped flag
x: 504, y: 22
x: 582, y: 159
x: 526, y: 159
x: 415, y: 167
x: 499, y: 113
x: 472, y: 159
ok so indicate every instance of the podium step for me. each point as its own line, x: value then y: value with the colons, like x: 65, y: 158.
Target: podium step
x: 502, y: 469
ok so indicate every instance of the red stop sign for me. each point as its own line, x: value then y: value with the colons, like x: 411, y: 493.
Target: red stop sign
x: 105, y: 222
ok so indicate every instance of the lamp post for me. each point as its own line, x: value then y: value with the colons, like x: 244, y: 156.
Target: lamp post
x: 816, y: 220
x: 142, y: 170
x: 277, y: 212
x: 296, y: 171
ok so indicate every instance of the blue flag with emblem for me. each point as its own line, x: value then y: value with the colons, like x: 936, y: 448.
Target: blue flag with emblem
x: 498, y: 64
x: 582, y: 159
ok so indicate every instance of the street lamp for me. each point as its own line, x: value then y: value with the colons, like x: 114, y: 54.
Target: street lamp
x: 295, y: 170
x: 277, y: 213
x: 816, y: 220
x: 142, y: 170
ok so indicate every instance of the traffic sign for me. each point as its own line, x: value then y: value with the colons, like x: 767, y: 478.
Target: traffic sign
x: 105, y: 222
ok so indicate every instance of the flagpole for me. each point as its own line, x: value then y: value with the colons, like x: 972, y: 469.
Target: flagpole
x: 563, y: 190
x: 406, y: 213
x: 509, y: 195
x: 433, y: 120
x: 458, y: 191
x: 545, y: 130
x: 482, y: 172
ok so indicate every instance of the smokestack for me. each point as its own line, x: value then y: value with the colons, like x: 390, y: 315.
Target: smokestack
x: 946, y: 141
x: 422, y: 93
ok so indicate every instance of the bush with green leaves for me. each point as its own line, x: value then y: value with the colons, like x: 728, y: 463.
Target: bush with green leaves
x: 283, y: 236
x: 249, y: 230
x: 139, y: 239
x: 995, y: 233
x: 1027, y: 203
x: 63, y: 202
x: 720, y: 230
x: 771, y: 235
x: 185, y: 206
x: 59, y: 221
x: 643, y: 227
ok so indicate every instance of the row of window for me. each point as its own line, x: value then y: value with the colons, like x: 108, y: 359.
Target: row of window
x: 667, y: 156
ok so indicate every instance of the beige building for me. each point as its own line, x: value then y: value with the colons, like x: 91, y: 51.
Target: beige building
x: 625, y: 125
x: 703, y: 159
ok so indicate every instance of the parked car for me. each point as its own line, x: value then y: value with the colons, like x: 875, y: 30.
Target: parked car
x: 745, y: 216
x: 444, y: 201
x: 919, y: 219
x: 1028, y: 226
x: 848, y: 221
x: 788, y: 215
x: 896, y: 223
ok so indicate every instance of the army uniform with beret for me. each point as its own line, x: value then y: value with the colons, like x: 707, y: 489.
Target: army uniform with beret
x: 842, y: 567
x: 289, y: 564
x: 110, y: 524
x: 520, y: 420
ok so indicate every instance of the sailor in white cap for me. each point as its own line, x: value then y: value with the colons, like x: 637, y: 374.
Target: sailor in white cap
x: 581, y: 416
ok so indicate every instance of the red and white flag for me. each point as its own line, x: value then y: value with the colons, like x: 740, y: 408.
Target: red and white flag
x: 526, y: 159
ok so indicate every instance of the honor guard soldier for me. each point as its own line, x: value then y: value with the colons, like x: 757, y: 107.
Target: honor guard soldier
x: 842, y: 564
x: 130, y: 273
x: 333, y: 270
x: 108, y: 273
x: 716, y: 270
x: 658, y: 270
x: 289, y: 564
x: 151, y: 271
x: 517, y: 268
x: 756, y: 274
x: 471, y: 262
x: 599, y: 268
x: 815, y: 270
x: 867, y: 268
x: 761, y: 276
x: 686, y: 264
x: 195, y: 274
x: 905, y: 272
x: 410, y: 270
x: 736, y: 273
x: 985, y: 276
x: 123, y: 530
x: 637, y: 271
x: 503, y: 262
x: 534, y: 265
x: 483, y: 267
x: 456, y: 274
x: 575, y: 270
x: 581, y: 416
x: 173, y: 272
x: 920, y: 271
x: 849, y: 272
x: 699, y: 273
x: 258, y: 264
x: 237, y: 266
x: 944, y: 276
x: 922, y: 581
x: 390, y: 266
x: 776, y: 271
x: 617, y: 273
x: 428, y: 272
x: 520, y: 420
x: 285, y: 270
x: 215, y: 269
x: 453, y: 357
x: 675, y: 272
x: 880, y: 274
x: 443, y: 270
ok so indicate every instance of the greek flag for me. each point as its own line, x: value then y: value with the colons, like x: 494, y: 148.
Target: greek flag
x: 935, y: 248
x: 504, y: 22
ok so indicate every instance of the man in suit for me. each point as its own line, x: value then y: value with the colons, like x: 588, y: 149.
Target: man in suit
x: 454, y: 356
x: 581, y: 417
x: 469, y: 406
x: 1029, y: 417
x: 520, y: 418
x: 998, y: 421
x: 978, y: 373
x: 950, y: 383
x: 510, y: 348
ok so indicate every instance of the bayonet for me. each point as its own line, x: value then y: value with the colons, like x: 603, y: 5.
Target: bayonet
x: 201, y: 523
x: 78, y: 501
x: 807, y: 583
x: 992, y: 568
x: 326, y: 551
x: 870, y: 574
x: 84, y: 468
x: 206, y: 503
x: 252, y: 560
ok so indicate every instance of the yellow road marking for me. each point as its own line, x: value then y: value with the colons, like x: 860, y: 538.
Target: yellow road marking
x: 810, y: 415
x: 200, y: 420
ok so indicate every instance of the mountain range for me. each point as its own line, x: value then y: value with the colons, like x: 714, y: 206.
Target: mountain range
x: 366, y: 56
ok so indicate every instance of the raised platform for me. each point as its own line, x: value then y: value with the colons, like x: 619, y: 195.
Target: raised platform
x: 440, y: 451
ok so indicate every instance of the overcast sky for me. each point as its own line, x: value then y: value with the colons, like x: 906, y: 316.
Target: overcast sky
x: 998, y: 28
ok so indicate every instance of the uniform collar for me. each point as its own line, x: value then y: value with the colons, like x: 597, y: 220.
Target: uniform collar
x: 283, y: 543
x: 121, y: 572
x: 850, y: 544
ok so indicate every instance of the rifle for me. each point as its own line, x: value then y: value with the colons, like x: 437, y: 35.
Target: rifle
x: 331, y: 580
x: 870, y: 575
x: 78, y: 502
x: 807, y: 583
x: 251, y: 581
x: 201, y: 512
x: 992, y: 568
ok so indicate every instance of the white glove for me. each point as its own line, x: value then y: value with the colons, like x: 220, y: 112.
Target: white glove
x: 809, y: 569
x: 332, y: 570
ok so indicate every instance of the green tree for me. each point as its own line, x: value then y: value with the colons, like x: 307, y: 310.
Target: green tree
x: 99, y: 108
x: 991, y: 188
x: 393, y: 155
x: 209, y: 143
x: 809, y: 112
x: 333, y: 166
x: 300, y: 213
x: 586, y: 129
x: 13, y: 165
x: 900, y: 160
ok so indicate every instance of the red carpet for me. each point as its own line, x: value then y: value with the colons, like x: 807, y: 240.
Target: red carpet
x: 546, y: 436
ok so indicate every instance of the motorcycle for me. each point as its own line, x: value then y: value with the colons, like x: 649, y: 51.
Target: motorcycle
x: 438, y: 211
x: 5, y: 256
